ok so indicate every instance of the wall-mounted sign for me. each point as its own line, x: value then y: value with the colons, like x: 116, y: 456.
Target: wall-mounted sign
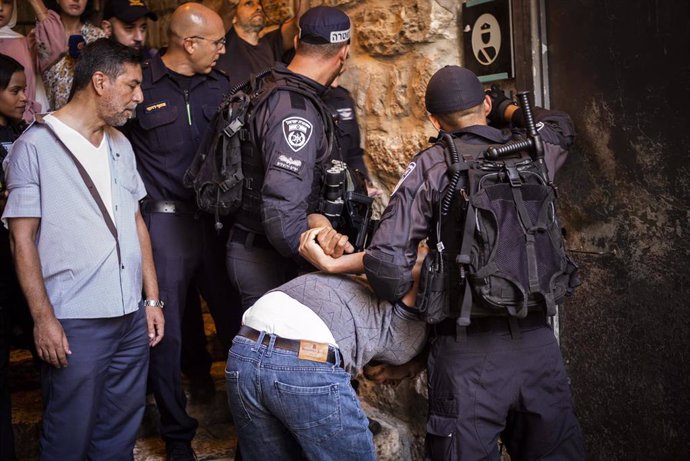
x: 488, y: 38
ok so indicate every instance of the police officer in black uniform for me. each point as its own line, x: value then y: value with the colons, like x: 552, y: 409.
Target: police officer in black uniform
x: 181, y: 94
x: 340, y: 100
x: 284, y: 172
x: 488, y: 384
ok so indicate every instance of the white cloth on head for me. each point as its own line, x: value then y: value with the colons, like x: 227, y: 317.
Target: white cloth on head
x: 6, y: 31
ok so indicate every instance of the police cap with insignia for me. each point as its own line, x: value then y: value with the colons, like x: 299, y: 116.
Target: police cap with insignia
x: 324, y: 24
x: 453, y: 89
x: 127, y: 10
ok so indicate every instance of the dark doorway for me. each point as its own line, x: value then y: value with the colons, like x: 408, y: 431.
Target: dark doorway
x: 622, y: 70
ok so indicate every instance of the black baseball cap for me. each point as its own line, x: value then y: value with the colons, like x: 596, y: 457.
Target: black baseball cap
x: 127, y: 10
x: 324, y: 24
x: 453, y: 89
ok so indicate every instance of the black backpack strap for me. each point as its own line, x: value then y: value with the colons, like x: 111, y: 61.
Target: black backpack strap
x: 463, y: 259
x: 458, y: 172
x: 529, y: 229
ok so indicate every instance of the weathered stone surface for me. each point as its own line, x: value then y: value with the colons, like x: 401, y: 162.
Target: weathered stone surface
x: 398, y: 28
x: 404, y: 406
x: 384, y: 31
x: 277, y: 11
x: 390, y: 152
x: 395, y: 442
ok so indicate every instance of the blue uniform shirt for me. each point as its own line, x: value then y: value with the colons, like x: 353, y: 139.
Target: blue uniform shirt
x: 169, y: 126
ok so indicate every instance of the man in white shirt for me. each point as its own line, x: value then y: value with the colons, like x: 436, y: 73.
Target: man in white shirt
x: 83, y: 255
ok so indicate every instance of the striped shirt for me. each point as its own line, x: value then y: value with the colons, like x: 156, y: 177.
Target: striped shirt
x: 83, y: 276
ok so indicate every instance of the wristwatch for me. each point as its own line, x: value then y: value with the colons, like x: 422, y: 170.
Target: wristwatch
x: 154, y: 303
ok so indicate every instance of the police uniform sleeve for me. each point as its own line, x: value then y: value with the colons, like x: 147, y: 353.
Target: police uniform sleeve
x: 557, y: 132
x: 292, y: 137
x: 389, y: 260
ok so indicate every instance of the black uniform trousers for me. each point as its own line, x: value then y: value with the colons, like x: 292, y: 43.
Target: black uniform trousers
x: 188, y: 255
x: 254, y: 266
x: 497, y: 383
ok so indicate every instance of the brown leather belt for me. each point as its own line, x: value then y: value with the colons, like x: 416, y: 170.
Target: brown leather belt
x: 292, y: 345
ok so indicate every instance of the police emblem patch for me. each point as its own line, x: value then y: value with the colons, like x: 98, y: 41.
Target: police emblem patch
x: 297, y: 132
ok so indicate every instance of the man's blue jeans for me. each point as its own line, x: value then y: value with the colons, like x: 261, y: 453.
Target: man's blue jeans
x: 284, y: 406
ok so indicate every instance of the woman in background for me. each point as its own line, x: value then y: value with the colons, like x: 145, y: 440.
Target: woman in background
x: 77, y: 32
x: 49, y: 33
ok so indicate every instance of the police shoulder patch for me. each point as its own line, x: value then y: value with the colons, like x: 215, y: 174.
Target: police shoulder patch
x: 345, y: 113
x: 289, y: 164
x: 297, y: 132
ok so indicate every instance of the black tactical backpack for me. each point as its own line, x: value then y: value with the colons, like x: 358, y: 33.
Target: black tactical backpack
x: 498, y: 248
x: 216, y: 173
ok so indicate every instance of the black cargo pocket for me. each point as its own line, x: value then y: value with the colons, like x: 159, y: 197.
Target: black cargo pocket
x: 432, y: 296
x: 440, y: 438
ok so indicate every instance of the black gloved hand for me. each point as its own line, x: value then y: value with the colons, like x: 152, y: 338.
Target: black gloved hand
x: 499, y: 102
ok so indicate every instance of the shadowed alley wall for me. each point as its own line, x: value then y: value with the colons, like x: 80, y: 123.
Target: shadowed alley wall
x: 621, y: 70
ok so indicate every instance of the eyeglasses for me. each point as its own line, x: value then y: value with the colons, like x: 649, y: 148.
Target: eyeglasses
x: 220, y: 43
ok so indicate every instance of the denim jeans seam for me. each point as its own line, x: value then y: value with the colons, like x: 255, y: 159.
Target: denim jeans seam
x: 236, y: 383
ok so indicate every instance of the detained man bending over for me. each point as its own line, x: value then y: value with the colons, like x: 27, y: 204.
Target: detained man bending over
x: 289, y: 368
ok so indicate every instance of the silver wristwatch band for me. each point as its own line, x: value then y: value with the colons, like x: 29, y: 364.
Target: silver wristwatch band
x: 154, y: 303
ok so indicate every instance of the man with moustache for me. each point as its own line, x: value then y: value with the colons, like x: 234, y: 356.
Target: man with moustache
x: 181, y: 94
x: 83, y: 255
x: 247, y: 51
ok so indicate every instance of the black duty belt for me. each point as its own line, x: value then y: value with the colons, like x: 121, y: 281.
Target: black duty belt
x: 168, y: 206
x: 249, y: 239
x: 292, y: 345
x: 484, y: 324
